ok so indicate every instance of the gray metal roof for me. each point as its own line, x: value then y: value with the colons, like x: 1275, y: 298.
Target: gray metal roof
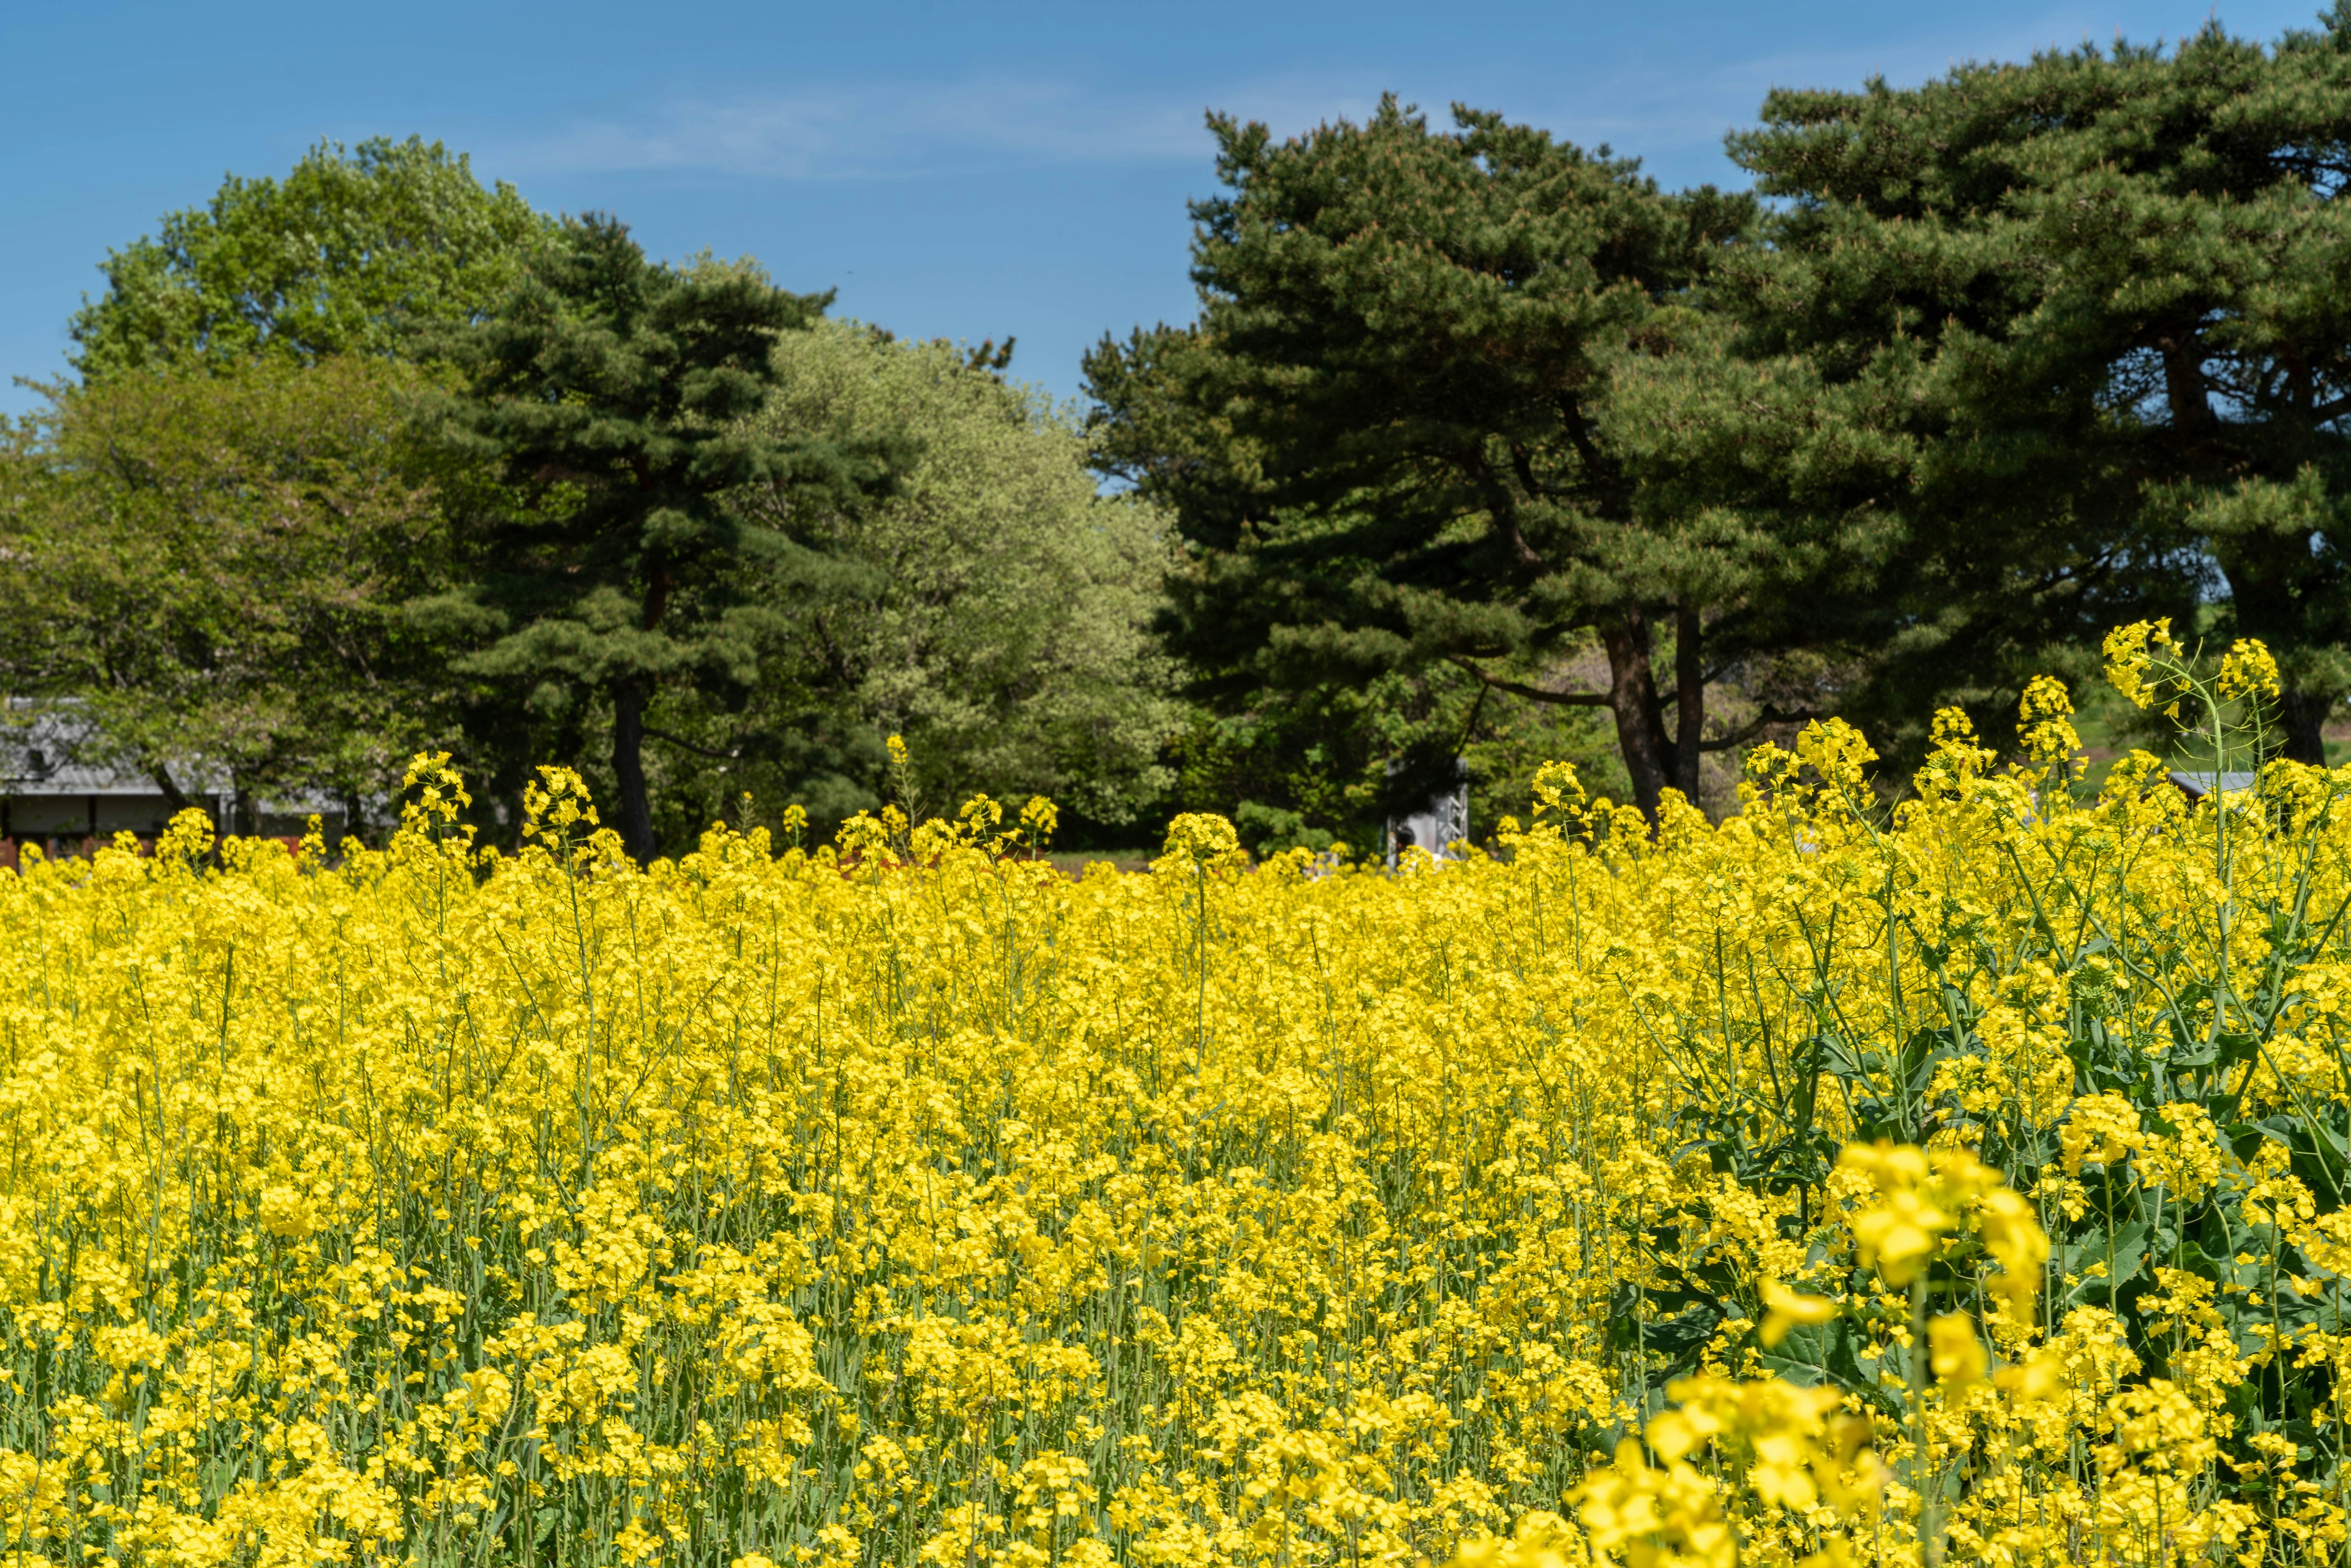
x: 49, y: 750
x: 2199, y: 782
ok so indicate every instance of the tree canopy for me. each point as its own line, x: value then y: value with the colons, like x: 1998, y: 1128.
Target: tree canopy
x: 615, y: 397
x: 993, y: 609
x: 2078, y: 328
x: 1393, y: 446
x: 1303, y: 753
x: 382, y: 249
x: 368, y: 459
x: 1482, y: 441
x: 214, y: 565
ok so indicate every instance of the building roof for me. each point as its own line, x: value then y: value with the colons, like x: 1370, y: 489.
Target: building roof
x: 49, y: 749
x: 2197, y: 783
x: 54, y: 750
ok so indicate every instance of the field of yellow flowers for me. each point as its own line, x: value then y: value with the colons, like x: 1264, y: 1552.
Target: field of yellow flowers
x: 1957, y: 1181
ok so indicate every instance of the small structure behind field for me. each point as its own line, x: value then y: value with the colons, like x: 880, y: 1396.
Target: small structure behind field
x: 2196, y: 783
x: 57, y: 793
x: 1441, y: 821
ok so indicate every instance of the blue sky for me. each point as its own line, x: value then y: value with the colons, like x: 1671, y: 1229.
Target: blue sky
x: 958, y: 171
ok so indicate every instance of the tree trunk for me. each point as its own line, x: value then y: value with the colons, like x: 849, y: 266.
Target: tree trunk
x: 2269, y: 577
x: 2302, y: 720
x: 1689, y: 699
x: 629, y: 767
x: 173, y: 794
x: 1633, y: 697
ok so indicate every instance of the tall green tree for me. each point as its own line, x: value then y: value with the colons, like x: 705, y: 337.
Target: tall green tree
x: 1401, y: 452
x: 380, y: 249
x: 616, y: 397
x: 2079, y: 329
x: 994, y: 611
x: 1299, y: 750
x: 212, y: 567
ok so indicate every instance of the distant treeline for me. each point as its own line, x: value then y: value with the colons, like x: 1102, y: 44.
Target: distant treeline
x: 461, y: 477
x: 1481, y: 444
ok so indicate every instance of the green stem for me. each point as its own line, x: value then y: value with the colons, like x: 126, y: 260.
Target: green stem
x: 1930, y: 1528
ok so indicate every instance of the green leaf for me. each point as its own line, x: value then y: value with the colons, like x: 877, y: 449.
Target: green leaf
x: 1830, y: 1353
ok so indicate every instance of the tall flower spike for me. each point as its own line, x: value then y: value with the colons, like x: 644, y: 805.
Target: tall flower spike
x: 2247, y: 670
x: 2045, y: 721
x: 2131, y: 652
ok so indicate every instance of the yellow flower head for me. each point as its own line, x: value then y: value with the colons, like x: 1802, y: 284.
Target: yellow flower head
x: 1954, y: 1352
x: 2045, y: 721
x: 440, y: 790
x: 1557, y: 789
x: 1793, y: 1445
x: 2184, y: 1152
x: 287, y: 1213
x: 1039, y: 818
x: 2247, y: 670
x: 1541, y: 1540
x: 2038, y: 1379
x: 1838, y: 752
x: 555, y: 806
x: 2131, y: 651
x: 2099, y: 1129
x: 981, y: 815
x: 2012, y: 1234
x: 1954, y: 756
x: 1925, y: 1202
x: 1202, y: 838
x: 1898, y: 1232
x: 2158, y: 1427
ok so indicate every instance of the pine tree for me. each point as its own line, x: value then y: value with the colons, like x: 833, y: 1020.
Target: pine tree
x: 2079, y: 330
x: 614, y: 394
x: 1397, y: 451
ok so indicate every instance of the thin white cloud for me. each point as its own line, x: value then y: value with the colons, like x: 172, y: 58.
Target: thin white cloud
x: 1675, y: 111
x: 1675, y: 115
x: 864, y: 130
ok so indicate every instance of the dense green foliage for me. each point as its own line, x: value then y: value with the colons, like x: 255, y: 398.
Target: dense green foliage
x: 614, y: 396
x: 214, y: 565
x: 2077, y: 330
x: 2014, y: 355
x: 1418, y: 335
x: 992, y: 610
x: 380, y: 250
x: 1483, y: 445
x: 1301, y: 751
x: 617, y: 498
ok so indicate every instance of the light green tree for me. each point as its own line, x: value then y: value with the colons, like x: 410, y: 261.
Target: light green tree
x: 380, y: 249
x: 995, y: 611
x: 211, y: 568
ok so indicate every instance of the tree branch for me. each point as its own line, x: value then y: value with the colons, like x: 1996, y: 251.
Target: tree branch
x: 1667, y: 699
x: 653, y: 734
x: 1525, y: 468
x: 2328, y: 413
x: 1603, y: 472
x: 162, y: 773
x: 1520, y: 689
x: 1504, y: 508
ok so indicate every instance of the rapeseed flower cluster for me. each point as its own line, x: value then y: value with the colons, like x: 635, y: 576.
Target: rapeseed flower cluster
x: 1834, y: 1184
